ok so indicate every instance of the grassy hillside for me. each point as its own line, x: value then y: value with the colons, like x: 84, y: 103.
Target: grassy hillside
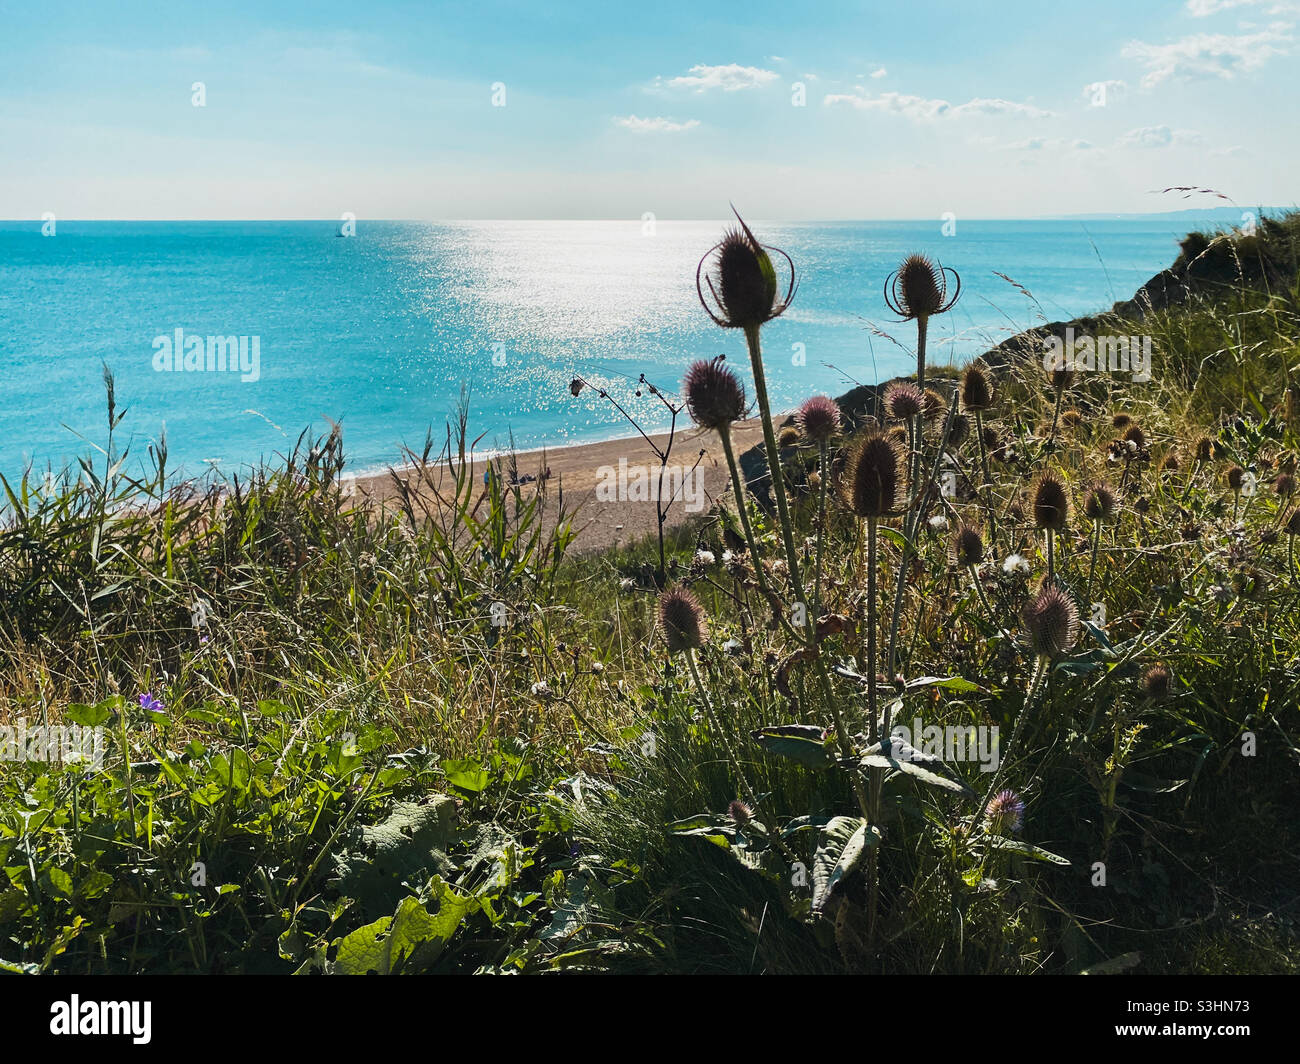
x: 429, y: 738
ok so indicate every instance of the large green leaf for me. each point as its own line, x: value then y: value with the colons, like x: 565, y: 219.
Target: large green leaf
x: 409, y: 940
x: 1025, y: 849
x: 845, y: 842
x: 909, y: 761
x: 806, y: 743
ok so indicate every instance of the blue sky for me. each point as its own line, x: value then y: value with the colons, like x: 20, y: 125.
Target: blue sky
x: 386, y: 109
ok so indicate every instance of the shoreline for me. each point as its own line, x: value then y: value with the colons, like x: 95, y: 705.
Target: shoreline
x: 606, y: 481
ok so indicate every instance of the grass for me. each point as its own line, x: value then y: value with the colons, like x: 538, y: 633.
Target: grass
x: 428, y: 737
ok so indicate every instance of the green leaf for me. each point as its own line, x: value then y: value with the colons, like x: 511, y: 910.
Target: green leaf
x: 912, y: 762
x: 1116, y: 964
x: 804, y: 743
x: 948, y: 683
x: 411, y: 939
x: 1025, y: 849
x: 467, y: 775
x: 845, y: 842
x: 90, y: 716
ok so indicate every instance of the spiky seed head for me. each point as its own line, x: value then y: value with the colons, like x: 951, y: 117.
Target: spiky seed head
x: 874, y: 473
x: 1072, y: 419
x: 1155, y: 682
x: 898, y: 433
x: 1235, y: 476
x: 1061, y: 378
x: 976, y: 389
x: 1121, y: 421
x: 959, y: 431
x: 1204, y: 448
x: 1051, y: 620
x: 741, y: 279
x: 1134, y: 434
x: 934, y: 405
x: 576, y: 385
x: 919, y: 288
x: 1142, y: 504
x: 967, y: 546
x: 903, y: 400
x: 1172, y: 462
x: 1005, y: 813
x: 1099, y: 503
x: 1051, y: 504
x: 741, y: 813
x: 818, y: 418
x: 714, y: 395
x: 682, y: 616
x: 1284, y: 485
x: 1292, y: 526
x: 789, y: 437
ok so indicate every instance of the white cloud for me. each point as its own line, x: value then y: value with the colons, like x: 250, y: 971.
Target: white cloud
x: 1157, y: 137
x: 654, y: 125
x: 1109, y: 88
x: 1202, y: 55
x: 879, y: 72
x: 732, y: 77
x: 1203, y: 8
x: 922, y: 109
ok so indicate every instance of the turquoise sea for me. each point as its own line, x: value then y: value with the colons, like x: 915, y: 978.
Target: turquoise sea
x: 380, y: 331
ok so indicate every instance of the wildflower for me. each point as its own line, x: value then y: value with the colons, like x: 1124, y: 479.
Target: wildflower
x: 1051, y: 620
x: 1155, y: 682
x: 150, y: 704
x: 541, y: 689
x: 818, y: 418
x: 938, y: 523
x: 742, y: 281
x: 1015, y: 563
x: 874, y: 470
x: 968, y: 547
x: 1051, y: 506
x: 714, y: 395
x: 1099, y: 504
x: 597, y: 667
x: 728, y: 557
x: 741, y: 813
x: 704, y: 557
x: 976, y: 389
x: 683, y: 620
x: 626, y: 584
x: 919, y: 288
x: 1005, y: 813
x: 903, y: 400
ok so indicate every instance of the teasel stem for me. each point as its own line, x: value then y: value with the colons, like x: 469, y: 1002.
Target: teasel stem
x: 823, y: 468
x: 742, y: 507
x: 1032, y: 691
x: 1092, y: 565
x: 984, y: 599
x: 716, y: 725
x: 1051, y: 555
x: 773, y: 456
x: 986, y: 484
x: 873, y: 719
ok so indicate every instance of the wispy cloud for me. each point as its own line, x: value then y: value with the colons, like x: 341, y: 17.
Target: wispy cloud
x: 730, y: 77
x: 1157, y: 137
x: 920, y: 108
x: 654, y: 125
x: 1204, y: 8
x: 879, y: 72
x: 1204, y: 55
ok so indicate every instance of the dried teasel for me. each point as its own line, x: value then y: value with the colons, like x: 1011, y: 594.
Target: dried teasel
x: 919, y: 288
x: 903, y: 400
x: 818, y: 418
x: 967, y: 546
x: 976, y: 389
x: 873, y: 477
x: 1051, y: 621
x: 1051, y: 504
x: 1099, y: 503
x: 682, y: 616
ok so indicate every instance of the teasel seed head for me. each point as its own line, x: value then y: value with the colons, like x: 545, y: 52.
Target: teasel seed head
x: 1204, y: 449
x: 903, y: 400
x: 967, y: 546
x: 1155, y: 682
x: 1099, y: 503
x: 1072, y: 419
x: 1235, y: 476
x: 741, y: 280
x: 1292, y: 525
x: 683, y: 620
x: 976, y: 389
x: 714, y: 395
x: 1172, y: 462
x: 740, y: 812
x: 1134, y: 434
x: 1051, y: 620
x: 959, y: 431
x: 934, y: 404
x: 873, y: 476
x: 1051, y: 504
x: 919, y: 288
x: 818, y: 418
x: 1284, y: 485
x: 1121, y: 421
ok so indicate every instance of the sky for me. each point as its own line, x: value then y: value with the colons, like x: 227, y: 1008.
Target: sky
x: 484, y: 109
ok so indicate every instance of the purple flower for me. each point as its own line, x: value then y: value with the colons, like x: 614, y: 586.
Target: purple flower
x: 1005, y: 813
x: 151, y: 704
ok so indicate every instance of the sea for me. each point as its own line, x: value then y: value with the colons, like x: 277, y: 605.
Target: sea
x: 386, y: 330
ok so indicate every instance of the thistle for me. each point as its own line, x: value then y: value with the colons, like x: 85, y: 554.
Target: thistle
x: 1098, y: 506
x: 1004, y: 814
x: 1155, y: 682
x: 1051, y: 621
x: 976, y: 390
x: 916, y: 291
x: 903, y: 400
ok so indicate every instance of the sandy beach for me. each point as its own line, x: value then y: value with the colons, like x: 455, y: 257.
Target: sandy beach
x: 611, y: 484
